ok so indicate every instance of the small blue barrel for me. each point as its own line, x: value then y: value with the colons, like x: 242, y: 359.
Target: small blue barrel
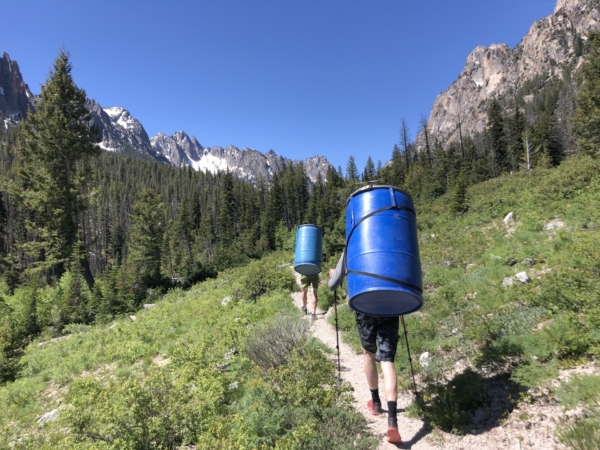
x: 309, y: 253
x: 382, y: 252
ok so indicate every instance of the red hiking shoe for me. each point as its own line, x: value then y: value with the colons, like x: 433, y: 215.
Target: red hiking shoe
x: 393, y: 435
x: 374, y: 408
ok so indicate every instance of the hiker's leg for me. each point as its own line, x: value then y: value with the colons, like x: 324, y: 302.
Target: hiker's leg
x: 304, y: 296
x: 315, y: 301
x: 371, y: 370
x: 390, y: 380
x: 387, y: 337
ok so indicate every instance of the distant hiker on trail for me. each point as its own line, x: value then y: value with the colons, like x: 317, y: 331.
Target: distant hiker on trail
x: 308, y: 281
x: 307, y: 262
x: 379, y: 339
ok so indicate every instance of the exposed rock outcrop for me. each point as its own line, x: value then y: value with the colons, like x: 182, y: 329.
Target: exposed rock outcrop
x: 180, y: 150
x: 248, y: 164
x: 120, y: 131
x: 495, y: 70
x: 15, y: 96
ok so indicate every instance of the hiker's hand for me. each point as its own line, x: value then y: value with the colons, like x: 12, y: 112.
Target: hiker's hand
x: 331, y: 272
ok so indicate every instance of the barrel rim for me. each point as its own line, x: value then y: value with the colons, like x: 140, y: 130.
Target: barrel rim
x: 320, y: 227
x: 379, y: 186
x: 421, y: 303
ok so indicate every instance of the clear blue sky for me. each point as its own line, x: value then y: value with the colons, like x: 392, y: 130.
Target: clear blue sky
x: 306, y: 77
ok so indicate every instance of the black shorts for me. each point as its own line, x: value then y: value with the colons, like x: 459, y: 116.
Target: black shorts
x: 379, y: 332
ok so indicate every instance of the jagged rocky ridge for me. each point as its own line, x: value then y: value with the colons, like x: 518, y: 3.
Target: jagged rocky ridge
x: 497, y: 70
x: 121, y: 132
x: 248, y: 164
x: 15, y: 96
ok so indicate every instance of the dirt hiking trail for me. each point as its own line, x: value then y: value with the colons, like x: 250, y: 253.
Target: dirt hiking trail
x: 412, y: 431
x: 535, y: 433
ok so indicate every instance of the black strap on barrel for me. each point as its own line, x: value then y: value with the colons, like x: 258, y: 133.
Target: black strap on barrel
x: 394, y: 206
x: 381, y: 277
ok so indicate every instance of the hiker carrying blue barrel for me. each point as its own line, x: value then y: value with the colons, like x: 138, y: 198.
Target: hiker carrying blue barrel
x: 307, y: 262
x: 383, y: 270
x: 310, y: 281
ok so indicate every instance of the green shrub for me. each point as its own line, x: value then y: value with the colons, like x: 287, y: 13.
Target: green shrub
x: 161, y: 410
x: 263, y: 276
x: 326, y: 297
x: 340, y: 428
x: 308, y: 378
x: 271, y: 341
x: 534, y: 373
x: 583, y: 434
x: 584, y: 389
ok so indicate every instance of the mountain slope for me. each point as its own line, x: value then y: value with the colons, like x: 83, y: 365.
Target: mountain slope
x: 120, y: 132
x: 248, y: 164
x: 550, y: 45
x: 15, y: 96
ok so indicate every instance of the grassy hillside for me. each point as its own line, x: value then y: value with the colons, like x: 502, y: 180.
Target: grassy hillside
x: 227, y: 364
x: 518, y: 334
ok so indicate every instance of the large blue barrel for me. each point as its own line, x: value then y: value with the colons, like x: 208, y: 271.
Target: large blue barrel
x: 309, y: 253
x: 382, y: 251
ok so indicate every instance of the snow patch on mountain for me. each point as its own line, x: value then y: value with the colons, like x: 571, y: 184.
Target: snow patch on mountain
x: 210, y: 163
x: 121, y: 117
x: 103, y: 146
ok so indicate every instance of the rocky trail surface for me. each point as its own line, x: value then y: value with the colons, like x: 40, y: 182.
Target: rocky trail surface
x: 529, y: 426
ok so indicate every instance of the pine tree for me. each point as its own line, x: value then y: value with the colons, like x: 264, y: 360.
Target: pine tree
x: 459, y: 201
x: 314, y: 204
x: 351, y: 170
x: 206, y: 234
x: 425, y: 131
x: 586, y: 122
x: 300, y: 194
x: 58, y: 142
x: 3, y: 236
x: 556, y: 140
x: 147, y: 230
x: 75, y: 307
x: 273, y: 214
x: 227, y: 211
x: 517, y: 128
x: 397, y: 168
x: 369, y: 172
x: 405, y: 144
x: 497, y: 139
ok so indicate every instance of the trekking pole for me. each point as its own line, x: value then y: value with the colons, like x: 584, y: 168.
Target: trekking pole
x: 337, y: 337
x: 409, y: 358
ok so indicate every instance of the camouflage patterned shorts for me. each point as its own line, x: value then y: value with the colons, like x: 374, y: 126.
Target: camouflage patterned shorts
x: 379, y: 332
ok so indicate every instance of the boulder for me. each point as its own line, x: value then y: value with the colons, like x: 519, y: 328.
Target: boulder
x: 554, y: 225
x: 522, y: 277
x: 51, y: 416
